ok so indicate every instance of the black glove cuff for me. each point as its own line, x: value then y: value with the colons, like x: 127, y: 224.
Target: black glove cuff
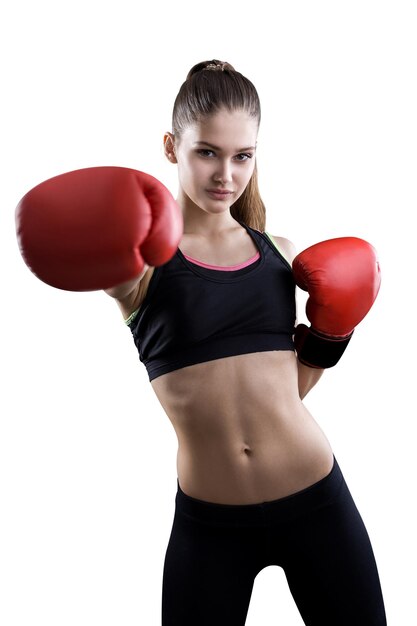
x: 318, y: 350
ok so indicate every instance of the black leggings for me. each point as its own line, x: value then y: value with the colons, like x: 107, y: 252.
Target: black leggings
x: 316, y: 535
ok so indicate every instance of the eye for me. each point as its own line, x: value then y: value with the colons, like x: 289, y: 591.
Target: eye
x: 249, y: 156
x: 204, y: 151
x: 242, y: 157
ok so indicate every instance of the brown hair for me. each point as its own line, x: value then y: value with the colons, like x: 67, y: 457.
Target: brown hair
x: 209, y: 87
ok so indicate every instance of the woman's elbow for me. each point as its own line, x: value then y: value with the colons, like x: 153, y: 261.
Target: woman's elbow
x: 307, y: 378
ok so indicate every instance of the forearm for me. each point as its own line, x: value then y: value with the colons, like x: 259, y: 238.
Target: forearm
x: 124, y: 289
x: 307, y: 378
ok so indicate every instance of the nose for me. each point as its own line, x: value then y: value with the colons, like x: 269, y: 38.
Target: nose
x: 224, y: 172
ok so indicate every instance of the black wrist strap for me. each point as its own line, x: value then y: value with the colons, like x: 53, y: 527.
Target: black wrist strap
x: 318, y: 350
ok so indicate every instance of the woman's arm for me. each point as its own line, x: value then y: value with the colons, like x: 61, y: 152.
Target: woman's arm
x: 128, y: 295
x: 307, y: 376
x: 123, y: 290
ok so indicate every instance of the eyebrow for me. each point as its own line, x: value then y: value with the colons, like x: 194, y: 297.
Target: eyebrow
x: 205, y: 143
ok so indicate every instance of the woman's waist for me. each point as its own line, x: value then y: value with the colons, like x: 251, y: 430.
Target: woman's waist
x: 223, y: 419
x: 258, y: 431
x: 243, y: 471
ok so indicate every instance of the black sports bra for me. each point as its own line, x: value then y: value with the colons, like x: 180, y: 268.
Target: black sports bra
x: 194, y: 313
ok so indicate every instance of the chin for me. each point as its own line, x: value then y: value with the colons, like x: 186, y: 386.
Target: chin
x: 218, y: 210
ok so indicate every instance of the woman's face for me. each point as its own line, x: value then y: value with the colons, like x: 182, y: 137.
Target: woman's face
x: 216, y: 153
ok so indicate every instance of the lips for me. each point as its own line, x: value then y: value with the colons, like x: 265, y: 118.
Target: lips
x: 219, y: 194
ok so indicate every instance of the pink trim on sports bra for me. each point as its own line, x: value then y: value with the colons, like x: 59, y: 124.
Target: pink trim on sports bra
x: 222, y: 268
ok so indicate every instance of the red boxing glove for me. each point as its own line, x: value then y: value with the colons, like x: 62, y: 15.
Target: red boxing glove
x: 95, y: 228
x: 342, y: 277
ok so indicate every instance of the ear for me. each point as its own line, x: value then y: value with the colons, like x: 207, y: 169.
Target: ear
x: 169, y: 147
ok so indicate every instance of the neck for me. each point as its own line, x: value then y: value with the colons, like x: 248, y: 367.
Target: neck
x: 197, y: 221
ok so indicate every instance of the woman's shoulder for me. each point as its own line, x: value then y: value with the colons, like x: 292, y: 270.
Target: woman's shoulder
x: 285, y: 247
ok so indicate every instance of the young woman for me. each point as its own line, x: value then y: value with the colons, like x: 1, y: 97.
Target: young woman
x: 212, y: 312
x: 258, y: 483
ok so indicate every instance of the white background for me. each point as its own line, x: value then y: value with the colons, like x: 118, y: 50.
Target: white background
x: 87, y: 455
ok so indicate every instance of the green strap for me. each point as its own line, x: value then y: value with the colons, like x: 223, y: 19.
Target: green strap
x: 277, y: 247
x: 131, y: 316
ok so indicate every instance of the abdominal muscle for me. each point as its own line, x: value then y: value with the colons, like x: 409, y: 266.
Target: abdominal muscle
x: 244, y: 434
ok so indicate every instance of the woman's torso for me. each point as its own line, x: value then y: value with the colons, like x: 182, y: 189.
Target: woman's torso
x: 244, y: 435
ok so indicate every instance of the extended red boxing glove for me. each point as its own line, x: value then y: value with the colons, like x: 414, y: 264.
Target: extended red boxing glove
x: 95, y: 228
x: 342, y: 277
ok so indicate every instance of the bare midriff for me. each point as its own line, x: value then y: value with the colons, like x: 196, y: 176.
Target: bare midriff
x: 244, y: 434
